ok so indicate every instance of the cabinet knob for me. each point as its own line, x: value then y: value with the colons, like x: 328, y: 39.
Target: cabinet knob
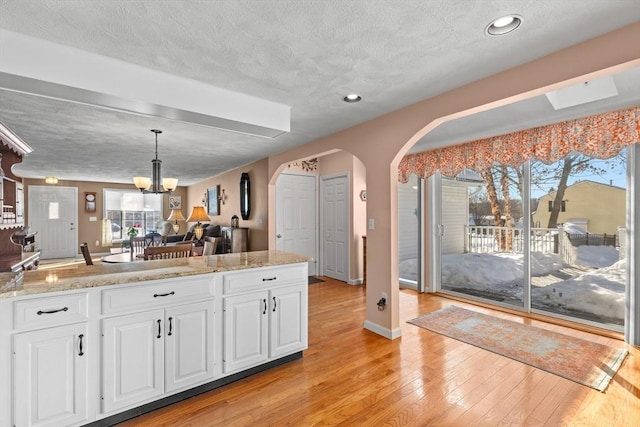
x: 279, y: 236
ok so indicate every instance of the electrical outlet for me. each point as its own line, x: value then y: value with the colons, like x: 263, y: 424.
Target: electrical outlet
x: 384, y: 295
x: 97, y: 242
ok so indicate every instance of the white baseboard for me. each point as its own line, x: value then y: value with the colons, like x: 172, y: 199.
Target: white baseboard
x: 387, y: 333
x: 355, y: 281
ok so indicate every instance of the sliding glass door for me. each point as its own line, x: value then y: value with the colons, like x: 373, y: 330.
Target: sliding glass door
x: 544, y: 238
x: 580, y: 208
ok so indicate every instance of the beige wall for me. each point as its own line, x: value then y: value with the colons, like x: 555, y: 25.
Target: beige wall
x: 90, y: 231
x: 602, y: 205
x: 343, y: 162
x: 258, y: 221
x: 381, y: 143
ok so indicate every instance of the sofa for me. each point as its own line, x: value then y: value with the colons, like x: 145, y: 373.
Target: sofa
x: 210, y: 230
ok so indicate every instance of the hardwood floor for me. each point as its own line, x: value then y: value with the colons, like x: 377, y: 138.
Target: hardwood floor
x: 352, y: 377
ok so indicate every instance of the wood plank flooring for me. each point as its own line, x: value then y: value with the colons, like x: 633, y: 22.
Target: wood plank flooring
x: 352, y: 377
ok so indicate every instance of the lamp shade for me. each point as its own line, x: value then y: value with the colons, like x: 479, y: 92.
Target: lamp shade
x: 176, y: 215
x: 198, y: 214
x: 142, y: 182
x: 169, y: 184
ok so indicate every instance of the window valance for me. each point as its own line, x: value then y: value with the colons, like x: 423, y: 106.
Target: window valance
x: 599, y: 136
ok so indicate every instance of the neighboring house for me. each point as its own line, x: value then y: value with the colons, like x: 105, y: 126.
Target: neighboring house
x: 596, y: 207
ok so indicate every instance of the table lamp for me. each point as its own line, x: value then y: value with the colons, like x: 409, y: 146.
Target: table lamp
x: 176, y: 215
x: 198, y: 214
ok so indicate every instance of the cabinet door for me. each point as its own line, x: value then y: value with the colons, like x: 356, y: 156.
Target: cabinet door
x: 188, y: 345
x: 51, y: 376
x: 245, y: 330
x: 132, y: 359
x: 288, y: 320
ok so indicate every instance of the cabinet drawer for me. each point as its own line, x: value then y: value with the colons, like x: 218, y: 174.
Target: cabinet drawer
x: 50, y: 311
x: 263, y: 277
x: 136, y: 298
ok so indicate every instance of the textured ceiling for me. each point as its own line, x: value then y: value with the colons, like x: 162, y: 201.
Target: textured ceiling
x: 305, y: 54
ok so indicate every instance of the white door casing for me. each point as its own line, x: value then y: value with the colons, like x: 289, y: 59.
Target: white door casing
x: 53, y: 214
x: 296, y: 216
x: 335, y: 227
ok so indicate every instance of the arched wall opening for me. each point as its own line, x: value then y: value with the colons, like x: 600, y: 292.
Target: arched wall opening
x: 325, y: 167
x: 382, y: 142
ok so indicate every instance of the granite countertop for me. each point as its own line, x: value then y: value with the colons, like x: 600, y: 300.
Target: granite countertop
x: 103, y: 274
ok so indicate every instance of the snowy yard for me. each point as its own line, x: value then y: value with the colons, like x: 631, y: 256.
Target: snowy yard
x: 598, y: 291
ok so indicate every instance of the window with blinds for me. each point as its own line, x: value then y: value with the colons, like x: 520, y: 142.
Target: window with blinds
x: 131, y: 209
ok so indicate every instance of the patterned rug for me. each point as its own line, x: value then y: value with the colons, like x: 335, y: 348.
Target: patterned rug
x: 576, y: 359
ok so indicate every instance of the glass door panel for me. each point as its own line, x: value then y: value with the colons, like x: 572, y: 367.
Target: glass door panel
x: 481, y: 230
x: 409, y: 219
x: 578, y: 227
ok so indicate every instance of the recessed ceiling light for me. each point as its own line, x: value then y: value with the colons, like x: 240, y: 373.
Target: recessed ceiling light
x: 503, y: 25
x: 352, y: 97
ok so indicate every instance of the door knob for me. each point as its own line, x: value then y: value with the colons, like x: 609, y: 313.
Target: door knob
x: 279, y: 236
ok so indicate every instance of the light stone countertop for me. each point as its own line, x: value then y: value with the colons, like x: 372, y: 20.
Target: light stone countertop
x: 104, y: 274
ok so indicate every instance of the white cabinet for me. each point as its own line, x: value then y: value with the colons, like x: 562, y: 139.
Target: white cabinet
x: 132, y: 359
x: 50, y: 360
x: 245, y: 330
x: 51, y: 368
x: 265, y: 316
x: 70, y: 358
x: 288, y: 320
x: 146, y: 355
x: 189, y: 345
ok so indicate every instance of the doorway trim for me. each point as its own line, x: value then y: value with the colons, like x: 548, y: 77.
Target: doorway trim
x: 33, y: 215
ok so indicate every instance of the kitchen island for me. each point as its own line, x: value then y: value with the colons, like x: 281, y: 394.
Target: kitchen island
x: 100, y: 344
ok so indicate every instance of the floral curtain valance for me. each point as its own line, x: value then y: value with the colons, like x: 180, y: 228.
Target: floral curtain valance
x: 600, y: 136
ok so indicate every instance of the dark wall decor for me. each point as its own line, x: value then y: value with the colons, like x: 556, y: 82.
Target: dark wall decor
x: 245, y: 196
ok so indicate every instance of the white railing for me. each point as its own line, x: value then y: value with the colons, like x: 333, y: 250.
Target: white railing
x: 489, y: 239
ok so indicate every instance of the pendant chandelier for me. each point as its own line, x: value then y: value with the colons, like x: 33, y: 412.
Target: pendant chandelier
x: 152, y: 185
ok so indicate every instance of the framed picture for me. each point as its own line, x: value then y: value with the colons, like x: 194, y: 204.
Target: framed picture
x: 175, y: 202
x: 213, y: 205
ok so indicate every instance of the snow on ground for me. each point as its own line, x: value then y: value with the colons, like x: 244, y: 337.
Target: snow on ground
x: 600, y: 292
x: 597, y: 256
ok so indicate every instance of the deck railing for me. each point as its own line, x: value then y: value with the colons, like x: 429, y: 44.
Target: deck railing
x: 489, y: 239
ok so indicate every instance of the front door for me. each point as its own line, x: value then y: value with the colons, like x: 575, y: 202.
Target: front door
x: 53, y: 214
x: 296, y: 229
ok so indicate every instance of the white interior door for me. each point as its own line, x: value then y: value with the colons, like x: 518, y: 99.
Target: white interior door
x: 335, y: 227
x: 53, y: 214
x: 296, y: 216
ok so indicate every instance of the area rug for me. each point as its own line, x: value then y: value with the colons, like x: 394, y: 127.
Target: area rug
x: 582, y: 361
